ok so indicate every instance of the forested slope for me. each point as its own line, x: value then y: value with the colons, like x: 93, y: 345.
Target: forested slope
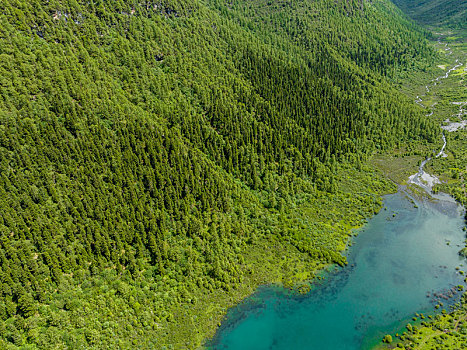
x: 155, y: 155
x: 450, y: 13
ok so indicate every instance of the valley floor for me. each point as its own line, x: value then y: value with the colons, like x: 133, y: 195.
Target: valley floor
x: 444, y: 99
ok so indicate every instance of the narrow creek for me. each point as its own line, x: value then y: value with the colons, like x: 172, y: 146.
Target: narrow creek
x: 422, y: 178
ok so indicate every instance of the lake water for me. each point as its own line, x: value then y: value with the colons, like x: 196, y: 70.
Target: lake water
x: 396, y: 264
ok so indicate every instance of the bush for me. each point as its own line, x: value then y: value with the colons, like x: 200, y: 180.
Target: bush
x: 387, y: 339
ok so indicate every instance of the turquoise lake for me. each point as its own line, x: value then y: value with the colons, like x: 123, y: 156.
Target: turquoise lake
x: 400, y: 260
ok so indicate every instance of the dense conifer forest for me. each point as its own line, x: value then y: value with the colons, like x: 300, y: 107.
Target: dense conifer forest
x: 160, y: 159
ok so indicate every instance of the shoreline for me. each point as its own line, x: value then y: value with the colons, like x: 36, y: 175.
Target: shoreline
x: 319, y: 274
x: 277, y: 291
x: 421, y: 191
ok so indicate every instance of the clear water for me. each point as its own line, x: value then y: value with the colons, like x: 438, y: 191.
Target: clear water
x: 395, y: 265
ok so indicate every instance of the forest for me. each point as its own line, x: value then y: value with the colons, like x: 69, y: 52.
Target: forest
x: 439, y: 14
x: 161, y: 159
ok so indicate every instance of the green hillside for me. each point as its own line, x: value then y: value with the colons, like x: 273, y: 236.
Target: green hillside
x: 159, y: 160
x: 450, y: 13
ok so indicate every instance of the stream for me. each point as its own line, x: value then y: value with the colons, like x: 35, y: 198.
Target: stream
x: 422, y: 178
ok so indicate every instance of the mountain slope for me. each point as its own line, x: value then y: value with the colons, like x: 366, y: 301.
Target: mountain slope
x: 450, y: 13
x: 157, y: 159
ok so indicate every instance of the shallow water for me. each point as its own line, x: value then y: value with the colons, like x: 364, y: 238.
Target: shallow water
x: 394, y: 263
